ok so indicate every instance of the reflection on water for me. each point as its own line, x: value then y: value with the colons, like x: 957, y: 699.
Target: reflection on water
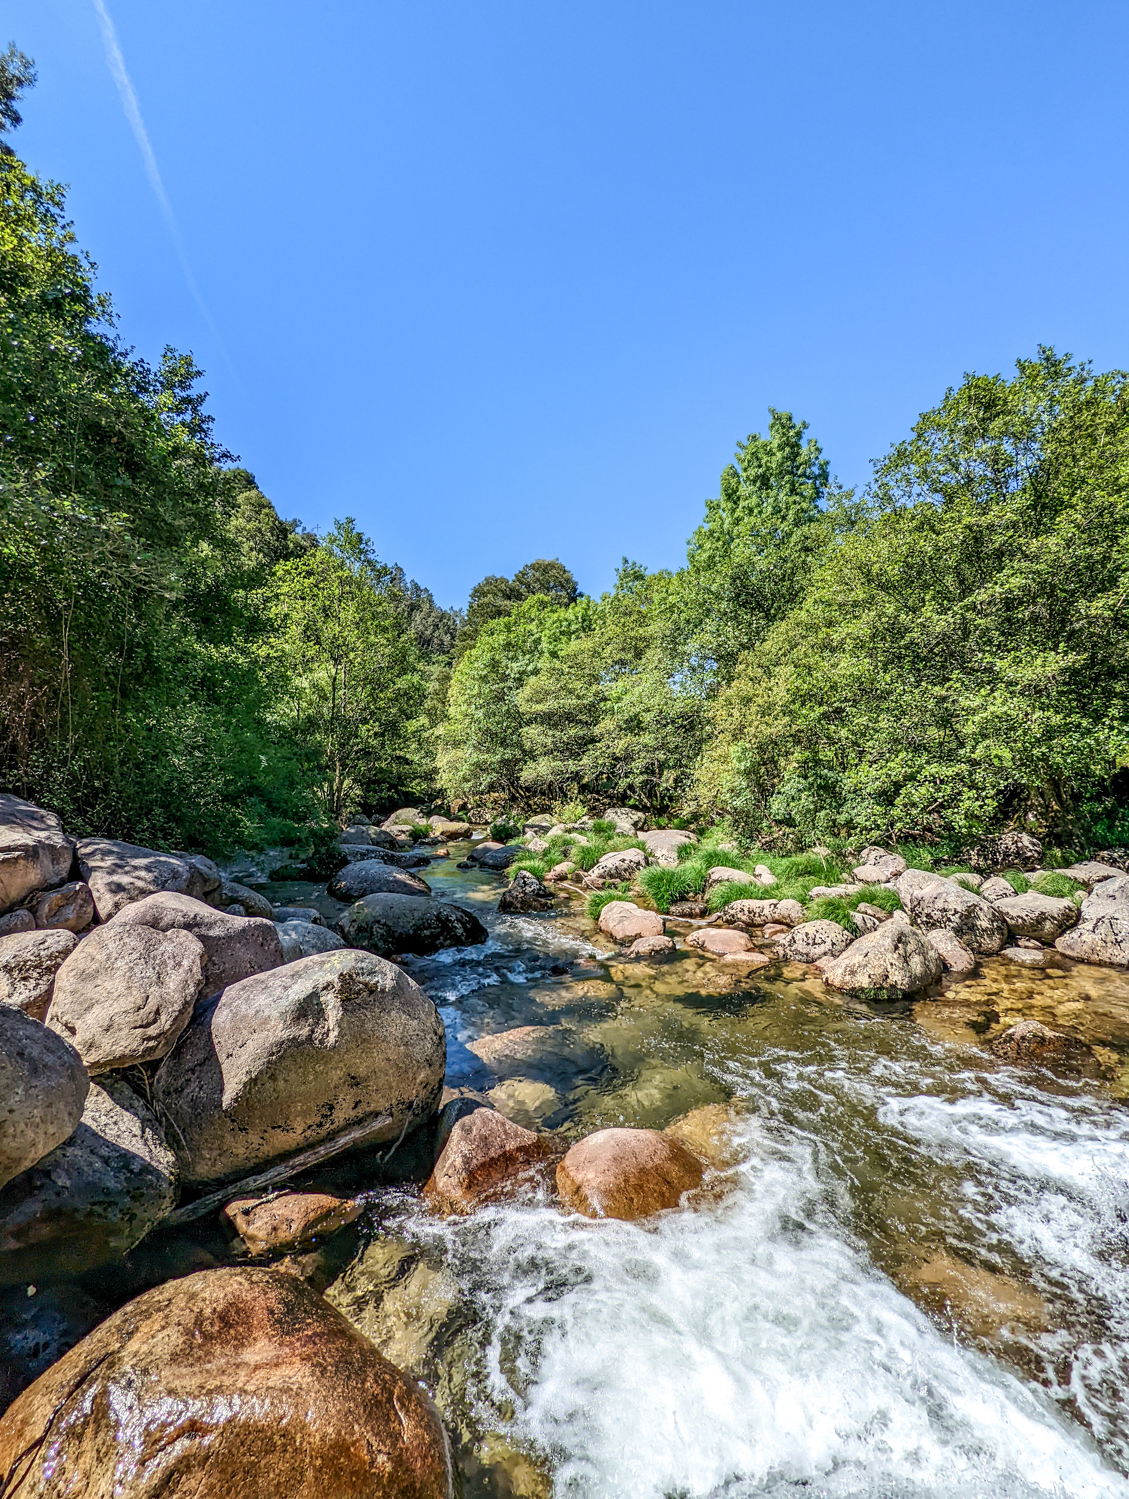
x: 916, y: 1284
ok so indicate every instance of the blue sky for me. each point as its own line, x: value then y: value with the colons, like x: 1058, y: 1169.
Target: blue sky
x: 506, y: 280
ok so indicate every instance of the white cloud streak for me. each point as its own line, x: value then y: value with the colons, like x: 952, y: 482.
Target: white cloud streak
x: 128, y: 96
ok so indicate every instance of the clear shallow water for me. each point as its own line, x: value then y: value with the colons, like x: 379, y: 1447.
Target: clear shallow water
x: 914, y: 1283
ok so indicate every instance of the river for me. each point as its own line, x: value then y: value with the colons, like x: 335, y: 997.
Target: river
x: 913, y: 1279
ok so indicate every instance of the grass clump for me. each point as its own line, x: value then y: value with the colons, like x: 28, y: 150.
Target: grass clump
x: 602, y: 828
x: 721, y: 895
x: 665, y: 886
x: 831, y: 908
x: 537, y: 864
x: 1017, y: 880
x: 601, y: 898
x: 419, y: 829
x: 885, y: 900
x: 1059, y: 885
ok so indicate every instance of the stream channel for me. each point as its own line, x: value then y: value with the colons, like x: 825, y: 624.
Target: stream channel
x: 912, y: 1279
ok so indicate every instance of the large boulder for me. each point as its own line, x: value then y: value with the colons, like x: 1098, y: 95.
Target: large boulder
x: 125, y: 994
x: 235, y: 947
x: 232, y: 893
x: 1102, y: 933
x: 70, y: 908
x: 813, y: 940
x: 1090, y: 872
x: 498, y: 858
x: 722, y: 874
x: 374, y: 877
x: 891, y: 962
x: 626, y: 1173
x: 761, y: 912
x: 880, y: 868
x: 43, y: 1087
x: 482, y: 1157
x: 93, y: 1197
x: 624, y: 921
x: 232, y: 1382
x: 525, y: 893
x: 623, y: 864
x: 626, y: 820
x: 35, y: 853
x: 1035, y: 915
x: 1013, y: 850
x: 663, y: 844
x: 286, y: 1059
x: 302, y: 939
x: 29, y: 962
x: 119, y: 873
x: 932, y: 901
x: 388, y: 924
x: 951, y: 950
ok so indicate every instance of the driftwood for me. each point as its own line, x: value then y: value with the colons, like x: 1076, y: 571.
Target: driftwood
x: 357, y: 1134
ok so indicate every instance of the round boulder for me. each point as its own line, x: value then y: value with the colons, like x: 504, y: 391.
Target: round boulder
x: 651, y: 947
x: 888, y: 963
x: 238, y: 1381
x: 43, y: 1085
x: 813, y: 940
x: 35, y: 853
x: 235, y: 947
x: 93, y: 1197
x: 624, y: 921
x: 286, y: 1059
x: 119, y: 873
x: 374, y: 877
x: 932, y: 901
x: 719, y: 940
x: 69, y: 908
x: 125, y: 994
x: 302, y: 939
x: 388, y: 924
x: 28, y: 964
x: 626, y: 1173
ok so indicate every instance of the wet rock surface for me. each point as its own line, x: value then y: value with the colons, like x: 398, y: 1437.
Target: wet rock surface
x: 228, y: 1382
x: 624, y: 921
x: 626, y: 1173
x: 284, y: 1220
x: 484, y: 1156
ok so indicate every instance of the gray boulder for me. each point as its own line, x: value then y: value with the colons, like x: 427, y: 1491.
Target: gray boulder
x: 401, y: 858
x: 626, y: 820
x: 358, y: 833
x: 722, y: 874
x: 931, y: 901
x: 235, y: 947
x: 70, y: 908
x: 614, y: 867
x: 19, y: 920
x: 1014, y: 850
x: 880, y: 869
x: 953, y: 953
x: 995, y: 889
x: 1089, y: 872
x: 232, y: 893
x: 761, y: 912
x: 663, y: 844
x: 524, y: 893
x: 302, y: 939
x: 297, y: 913
x: 375, y: 878
x: 1102, y: 933
x: 890, y: 962
x: 210, y: 877
x: 289, y: 1058
x: 119, y: 873
x: 499, y: 858
x: 125, y: 994
x: 813, y: 940
x: 388, y: 924
x: 35, y: 853
x: 43, y: 1087
x: 28, y: 964
x: 1035, y: 915
x: 93, y: 1197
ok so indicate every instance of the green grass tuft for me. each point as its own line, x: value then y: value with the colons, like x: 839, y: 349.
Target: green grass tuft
x: 831, y: 908
x: 537, y: 865
x: 1060, y: 885
x: 601, y: 898
x: 1017, y: 880
x: 885, y: 900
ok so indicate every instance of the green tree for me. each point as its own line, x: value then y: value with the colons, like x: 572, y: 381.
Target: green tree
x: 495, y: 596
x: 17, y: 73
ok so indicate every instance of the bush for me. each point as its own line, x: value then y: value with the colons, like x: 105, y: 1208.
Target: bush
x: 504, y: 831
x: 573, y: 811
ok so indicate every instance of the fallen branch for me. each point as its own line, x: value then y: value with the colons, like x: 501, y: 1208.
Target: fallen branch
x: 358, y: 1134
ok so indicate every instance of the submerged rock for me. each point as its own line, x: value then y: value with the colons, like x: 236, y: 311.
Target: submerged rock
x: 29, y: 962
x: 651, y: 947
x: 288, y: 1058
x: 43, y: 1086
x: 624, y: 921
x: 35, y: 853
x: 891, y: 962
x: 388, y: 924
x: 931, y: 901
x: 719, y: 940
x: 1030, y: 1041
x: 626, y: 1173
x: 483, y: 1156
x: 93, y: 1197
x: 235, y: 947
x: 126, y: 993
x: 234, y: 1382
x: 1102, y: 933
x: 712, y: 1133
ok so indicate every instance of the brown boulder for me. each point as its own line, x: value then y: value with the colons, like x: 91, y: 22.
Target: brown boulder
x: 719, y: 940
x: 35, y: 853
x: 624, y: 922
x: 235, y: 1382
x: 235, y: 947
x: 28, y: 964
x: 1030, y: 1041
x: 953, y: 953
x: 286, y: 1219
x: 125, y: 994
x: 712, y: 1133
x: 70, y: 908
x: 626, y: 1173
x: 482, y: 1156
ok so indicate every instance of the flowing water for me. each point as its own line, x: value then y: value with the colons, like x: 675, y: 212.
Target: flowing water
x: 910, y: 1279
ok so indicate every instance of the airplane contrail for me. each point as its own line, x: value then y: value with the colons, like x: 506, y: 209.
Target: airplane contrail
x: 133, y: 114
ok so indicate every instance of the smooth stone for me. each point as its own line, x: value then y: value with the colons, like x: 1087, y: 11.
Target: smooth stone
x: 954, y: 955
x: 651, y: 947
x: 750, y: 961
x: 286, y: 1059
x: 94, y: 1196
x: 1044, y: 917
x: 373, y: 877
x: 237, y: 1383
x: 537, y: 1051
x: 813, y: 940
x: 996, y: 890
x: 663, y: 844
x: 284, y: 1220
x: 712, y: 1133
x: 1102, y: 933
x: 624, y: 922
x: 70, y: 908
x: 29, y: 962
x: 233, y: 893
x: 302, y: 939
x: 387, y: 924
x: 720, y: 941
x: 235, y: 947
x: 43, y: 1084
x: 1026, y: 957
x: 35, y: 853
x: 119, y: 873
x: 626, y: 1174
x: 484, y: 1156
x: 618, y: 866
x: 891, y: 962
x: 880, y: 870
x: 126, y: 993
x: 297, y: 913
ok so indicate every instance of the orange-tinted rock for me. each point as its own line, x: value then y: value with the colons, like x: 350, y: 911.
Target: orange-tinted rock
x: 228, y: 1384
x: 1031, y: 1041
x: 625, y: 921
x: 626, y: 1173
x: 719, y: 940
x: 290, y: 1218
x: 483, y: 1155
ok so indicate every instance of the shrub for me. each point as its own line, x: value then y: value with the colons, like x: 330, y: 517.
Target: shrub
x: 504, y: 831
x: 573, y: 811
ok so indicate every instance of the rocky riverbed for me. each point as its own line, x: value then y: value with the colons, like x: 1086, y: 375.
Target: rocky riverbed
x: 689, y: 1223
